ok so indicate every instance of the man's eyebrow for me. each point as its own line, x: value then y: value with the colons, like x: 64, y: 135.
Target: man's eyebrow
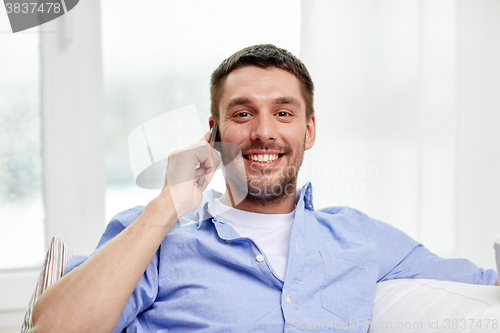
x: 245, y: 101
x: 237, y: 101
x: 288, y: 100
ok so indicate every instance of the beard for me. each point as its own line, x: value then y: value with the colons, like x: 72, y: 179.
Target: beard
x: 263, y: 186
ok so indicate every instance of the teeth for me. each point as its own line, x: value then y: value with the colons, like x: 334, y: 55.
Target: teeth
x: 263, y: 158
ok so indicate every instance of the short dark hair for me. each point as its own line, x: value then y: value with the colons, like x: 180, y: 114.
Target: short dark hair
x: 264, y: 56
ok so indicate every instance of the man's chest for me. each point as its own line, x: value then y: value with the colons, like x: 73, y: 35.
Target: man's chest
x: 221, y: 282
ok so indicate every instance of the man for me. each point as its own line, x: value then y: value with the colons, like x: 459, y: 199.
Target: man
x: 194, y: 261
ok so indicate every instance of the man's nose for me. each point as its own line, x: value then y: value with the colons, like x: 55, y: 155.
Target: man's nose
x: 264, y: 128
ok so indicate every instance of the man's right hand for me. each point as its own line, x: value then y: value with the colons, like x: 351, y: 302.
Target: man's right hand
x: 181, y: 175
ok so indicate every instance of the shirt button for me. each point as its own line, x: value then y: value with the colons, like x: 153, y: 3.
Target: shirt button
x: 260, y: 257
x: 288, y: 300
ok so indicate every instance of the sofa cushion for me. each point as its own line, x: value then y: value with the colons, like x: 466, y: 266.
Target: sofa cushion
x: 420, y: 305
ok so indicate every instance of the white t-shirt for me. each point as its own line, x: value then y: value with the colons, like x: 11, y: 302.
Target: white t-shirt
x: 271, y: 232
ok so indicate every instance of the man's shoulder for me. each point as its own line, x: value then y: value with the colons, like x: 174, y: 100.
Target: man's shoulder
x: 344, y: 217
x: 342, y: 213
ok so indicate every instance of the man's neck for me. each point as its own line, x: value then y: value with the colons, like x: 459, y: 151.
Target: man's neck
x: 283, y: 206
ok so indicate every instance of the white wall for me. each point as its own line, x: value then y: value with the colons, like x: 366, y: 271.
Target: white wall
x: 479, y: 120
x: 409, y: 90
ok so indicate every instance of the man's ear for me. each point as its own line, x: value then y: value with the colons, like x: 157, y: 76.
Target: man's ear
x: 211, y: 122
x: 310, y: 132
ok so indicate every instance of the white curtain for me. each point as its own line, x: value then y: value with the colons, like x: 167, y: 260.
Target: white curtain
x: 407, y: 109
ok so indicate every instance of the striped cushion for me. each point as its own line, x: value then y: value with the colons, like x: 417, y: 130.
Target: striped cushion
x: 57, y: 257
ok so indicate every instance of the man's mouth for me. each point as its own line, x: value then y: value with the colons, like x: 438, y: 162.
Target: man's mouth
x: 263, y: 158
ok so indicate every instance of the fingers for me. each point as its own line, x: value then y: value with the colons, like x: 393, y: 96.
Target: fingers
x: 182, y: 164
x: 207, y: 169
x: 206, y: 175
x: 213, y: 161
x: 207, y: 158
x: 181, y: 174
x: 206, y: 137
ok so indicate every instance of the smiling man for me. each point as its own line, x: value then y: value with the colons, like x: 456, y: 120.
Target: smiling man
x: 196, y: 261
x: 263, y: 111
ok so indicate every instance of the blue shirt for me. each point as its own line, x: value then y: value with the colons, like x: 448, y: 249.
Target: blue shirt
x: 206, y: 278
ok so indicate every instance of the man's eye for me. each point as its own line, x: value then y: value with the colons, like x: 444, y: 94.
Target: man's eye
x: 283, y: 114
x: 242, y: 114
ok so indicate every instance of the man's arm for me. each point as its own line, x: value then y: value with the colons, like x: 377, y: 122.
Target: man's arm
x: 91, y: 297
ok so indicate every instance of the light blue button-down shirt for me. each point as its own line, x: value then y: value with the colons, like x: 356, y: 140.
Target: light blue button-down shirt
x: 206, y: 278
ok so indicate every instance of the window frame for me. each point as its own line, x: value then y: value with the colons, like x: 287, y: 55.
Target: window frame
x: 73, y: 146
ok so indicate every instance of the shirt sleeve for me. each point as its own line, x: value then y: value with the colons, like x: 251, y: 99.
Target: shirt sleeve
x: 401, y: 257
x: 146, y: 290
x: 420, y: 263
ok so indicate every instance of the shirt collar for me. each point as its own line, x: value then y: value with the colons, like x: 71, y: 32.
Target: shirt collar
x: 306, y: 194
x: 304, y: 201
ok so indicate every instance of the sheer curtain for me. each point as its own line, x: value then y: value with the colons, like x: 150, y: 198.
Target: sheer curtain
x: 407, y: 108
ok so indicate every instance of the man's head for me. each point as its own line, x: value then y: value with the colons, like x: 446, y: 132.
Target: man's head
x: 264, y: 56
x: 262, y: 97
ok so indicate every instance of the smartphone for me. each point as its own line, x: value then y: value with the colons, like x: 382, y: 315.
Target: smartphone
x: 213, y: 137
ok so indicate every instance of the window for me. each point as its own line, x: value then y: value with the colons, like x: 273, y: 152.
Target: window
x: 21, y: 189
x: 63, y: 87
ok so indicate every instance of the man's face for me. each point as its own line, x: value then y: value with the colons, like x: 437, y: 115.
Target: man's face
x: 262, y: 111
